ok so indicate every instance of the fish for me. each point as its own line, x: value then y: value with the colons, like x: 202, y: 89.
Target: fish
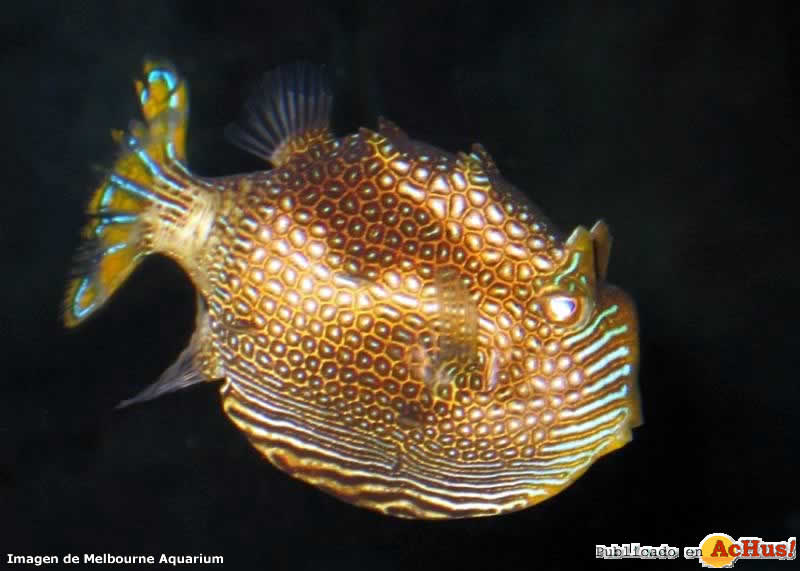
x: 395, y: 324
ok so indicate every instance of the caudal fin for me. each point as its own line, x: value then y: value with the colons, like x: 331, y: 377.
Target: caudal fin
x: 143, y: 182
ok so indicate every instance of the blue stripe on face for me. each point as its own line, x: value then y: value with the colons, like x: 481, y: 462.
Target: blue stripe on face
x: 589, y: 330
x: 576, y: 257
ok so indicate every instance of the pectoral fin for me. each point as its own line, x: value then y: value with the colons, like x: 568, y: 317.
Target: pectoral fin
x: 456, y: 328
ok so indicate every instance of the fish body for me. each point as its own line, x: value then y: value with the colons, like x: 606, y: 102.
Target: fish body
x: 391, y: 323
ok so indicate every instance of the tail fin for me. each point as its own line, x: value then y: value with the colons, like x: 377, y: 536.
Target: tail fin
x: 127, y: 201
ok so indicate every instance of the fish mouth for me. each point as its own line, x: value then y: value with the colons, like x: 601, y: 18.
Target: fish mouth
x: 625, y: 318
x: 605, y: 404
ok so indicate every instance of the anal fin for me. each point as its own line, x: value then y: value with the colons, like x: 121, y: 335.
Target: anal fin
x: 191, y: 366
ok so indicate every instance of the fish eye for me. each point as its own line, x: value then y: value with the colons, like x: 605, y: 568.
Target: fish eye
x: 561, y: 308
x: 567, y: 310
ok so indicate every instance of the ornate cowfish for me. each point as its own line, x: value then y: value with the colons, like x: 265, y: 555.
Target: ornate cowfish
x: 392, y: 323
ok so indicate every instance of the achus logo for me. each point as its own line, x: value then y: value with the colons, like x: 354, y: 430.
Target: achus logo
x: 720, y: 550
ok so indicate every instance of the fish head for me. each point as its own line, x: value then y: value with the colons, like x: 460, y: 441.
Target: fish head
x: 590, y: 345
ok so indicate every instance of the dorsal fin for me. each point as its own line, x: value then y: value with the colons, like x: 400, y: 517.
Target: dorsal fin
x: 288, y: 112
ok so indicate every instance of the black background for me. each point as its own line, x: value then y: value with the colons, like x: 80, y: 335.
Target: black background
x: 671, y: 121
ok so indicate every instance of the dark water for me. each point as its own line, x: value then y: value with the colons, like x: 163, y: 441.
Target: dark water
x: 671, y: 121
